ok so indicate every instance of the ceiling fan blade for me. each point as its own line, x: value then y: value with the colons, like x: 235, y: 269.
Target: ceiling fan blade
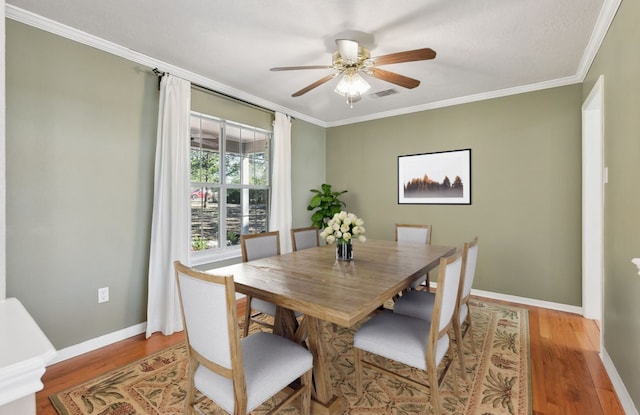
x: 348, y: 49
x: 314, y: 85
x: 296, y: 68
x: 408, y: 56
x: 395, y: 78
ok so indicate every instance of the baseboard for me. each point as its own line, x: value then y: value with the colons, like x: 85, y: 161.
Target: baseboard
x: 116, y: 336
x: 98, y: 342
x: 522, y: 300
x: 622, y: 392
x: 528, y: 301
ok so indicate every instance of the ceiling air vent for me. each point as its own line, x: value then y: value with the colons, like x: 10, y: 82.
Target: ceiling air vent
x: 384, y: 93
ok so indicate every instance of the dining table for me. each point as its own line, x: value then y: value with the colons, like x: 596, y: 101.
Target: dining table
x: 322, y: 288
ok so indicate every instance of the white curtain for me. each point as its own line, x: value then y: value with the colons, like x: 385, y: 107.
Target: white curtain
x: 280, y: 217
x: 170, y: 222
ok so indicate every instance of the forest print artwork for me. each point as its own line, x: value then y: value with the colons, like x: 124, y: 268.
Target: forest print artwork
x: 435, y: 178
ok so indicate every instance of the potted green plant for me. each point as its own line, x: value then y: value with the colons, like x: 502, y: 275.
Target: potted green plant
x: 325, y: 204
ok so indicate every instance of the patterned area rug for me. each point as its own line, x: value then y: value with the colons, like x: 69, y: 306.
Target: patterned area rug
x: 498, y: 379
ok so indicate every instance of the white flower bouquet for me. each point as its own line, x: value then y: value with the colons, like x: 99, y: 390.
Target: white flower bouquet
x: 342, y: 228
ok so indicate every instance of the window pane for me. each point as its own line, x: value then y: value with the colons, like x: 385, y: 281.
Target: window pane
x: 233, y: 168
x: 205, y: 150
x: 205, y: 216
x: 259, y: 172
x: 205, y: 166
x: 258, y: 201
x: 234, y: 216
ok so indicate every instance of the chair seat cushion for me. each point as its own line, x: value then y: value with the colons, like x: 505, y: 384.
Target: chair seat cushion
x: 417, y: 283
x: 266, y: 307
x: 418, y: 304
x: 270, y: 364
x: 400, y: 338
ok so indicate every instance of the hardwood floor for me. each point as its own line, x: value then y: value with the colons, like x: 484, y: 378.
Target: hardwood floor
x: 567, y: 376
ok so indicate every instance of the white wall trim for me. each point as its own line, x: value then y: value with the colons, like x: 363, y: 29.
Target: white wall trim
x: 607, y: 13
x: 20, y: 15
x: 98, y: 342
x: 107, y: 339
x: 528, y: 301
x: 522, y: 300
x: 622, y: 392
x: 68, y: 32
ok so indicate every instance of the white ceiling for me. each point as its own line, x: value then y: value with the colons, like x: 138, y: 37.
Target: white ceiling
x: 485, y: 48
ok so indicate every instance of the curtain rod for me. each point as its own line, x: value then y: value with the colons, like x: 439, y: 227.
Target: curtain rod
x: 160, y: 74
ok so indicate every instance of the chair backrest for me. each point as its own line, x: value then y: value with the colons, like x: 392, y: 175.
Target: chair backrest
x: 445, y: 304
x: 260, y: 245
x: 210, y: 318
x: 419, y: 234
x: 303, y: 238
x: 469, y: 261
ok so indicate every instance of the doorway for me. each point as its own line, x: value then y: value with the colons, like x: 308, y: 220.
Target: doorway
x: 594, y: 177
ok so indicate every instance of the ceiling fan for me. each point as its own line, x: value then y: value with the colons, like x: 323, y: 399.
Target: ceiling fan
x: 351, y: 59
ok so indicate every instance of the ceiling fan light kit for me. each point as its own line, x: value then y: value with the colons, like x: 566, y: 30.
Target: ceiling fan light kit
x: 352, y: 86
x: 351, y: 59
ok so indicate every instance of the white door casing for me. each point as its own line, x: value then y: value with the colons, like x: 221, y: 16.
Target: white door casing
x: 593, y: 180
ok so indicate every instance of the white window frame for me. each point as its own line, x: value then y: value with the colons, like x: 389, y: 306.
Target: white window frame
x: 229, y: 252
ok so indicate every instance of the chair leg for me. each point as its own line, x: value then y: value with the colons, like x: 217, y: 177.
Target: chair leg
x: 456, y: 389
x: 190, y: 398
x: 306, y: 395
x: 470, y: 330
x: 247, y: 317
x: 434, y: 388
x: 358, y: 370
x: 460, y: 346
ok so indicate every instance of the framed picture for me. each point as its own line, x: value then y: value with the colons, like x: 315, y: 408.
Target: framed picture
x: 442, y: 178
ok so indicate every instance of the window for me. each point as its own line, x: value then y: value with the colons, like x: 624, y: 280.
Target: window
x: 230, y: 183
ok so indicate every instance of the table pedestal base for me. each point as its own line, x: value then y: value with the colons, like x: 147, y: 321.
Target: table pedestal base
x: 338, y: 405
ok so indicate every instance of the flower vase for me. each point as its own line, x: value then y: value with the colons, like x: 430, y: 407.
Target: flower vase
x: 344, y: 250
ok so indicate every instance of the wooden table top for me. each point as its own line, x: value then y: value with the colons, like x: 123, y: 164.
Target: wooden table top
x: 314, y: 283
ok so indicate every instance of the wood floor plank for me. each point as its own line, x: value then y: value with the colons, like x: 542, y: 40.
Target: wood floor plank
x: 567, y: 375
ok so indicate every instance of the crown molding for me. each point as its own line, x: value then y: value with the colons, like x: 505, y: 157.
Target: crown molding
x: 607, y: 14
x: 605, y: 19
x: 462, y: 100
x: 56, y: 28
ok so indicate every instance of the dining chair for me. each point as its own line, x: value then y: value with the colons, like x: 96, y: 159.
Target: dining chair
x: 231, y: 371
x: 257, y: 246
x: 303, y: 238
x: 419, y: 234
x: 412, y: 341
x: 420, y: 304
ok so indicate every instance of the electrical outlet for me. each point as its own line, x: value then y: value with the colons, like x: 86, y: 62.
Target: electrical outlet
x: 103, y: 295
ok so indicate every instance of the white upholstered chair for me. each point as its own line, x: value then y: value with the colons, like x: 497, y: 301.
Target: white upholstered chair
x: 420, y: 304
x: 257, y: 246
x: 418, y: 234
x: 230, y: 371
x: 303, y: 238
x: 419, y: 343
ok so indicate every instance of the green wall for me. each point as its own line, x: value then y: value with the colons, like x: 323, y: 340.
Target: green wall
x: 80, y: 153
x: 308, y: 168
x: 618, y: 60
x: 526, y: 185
